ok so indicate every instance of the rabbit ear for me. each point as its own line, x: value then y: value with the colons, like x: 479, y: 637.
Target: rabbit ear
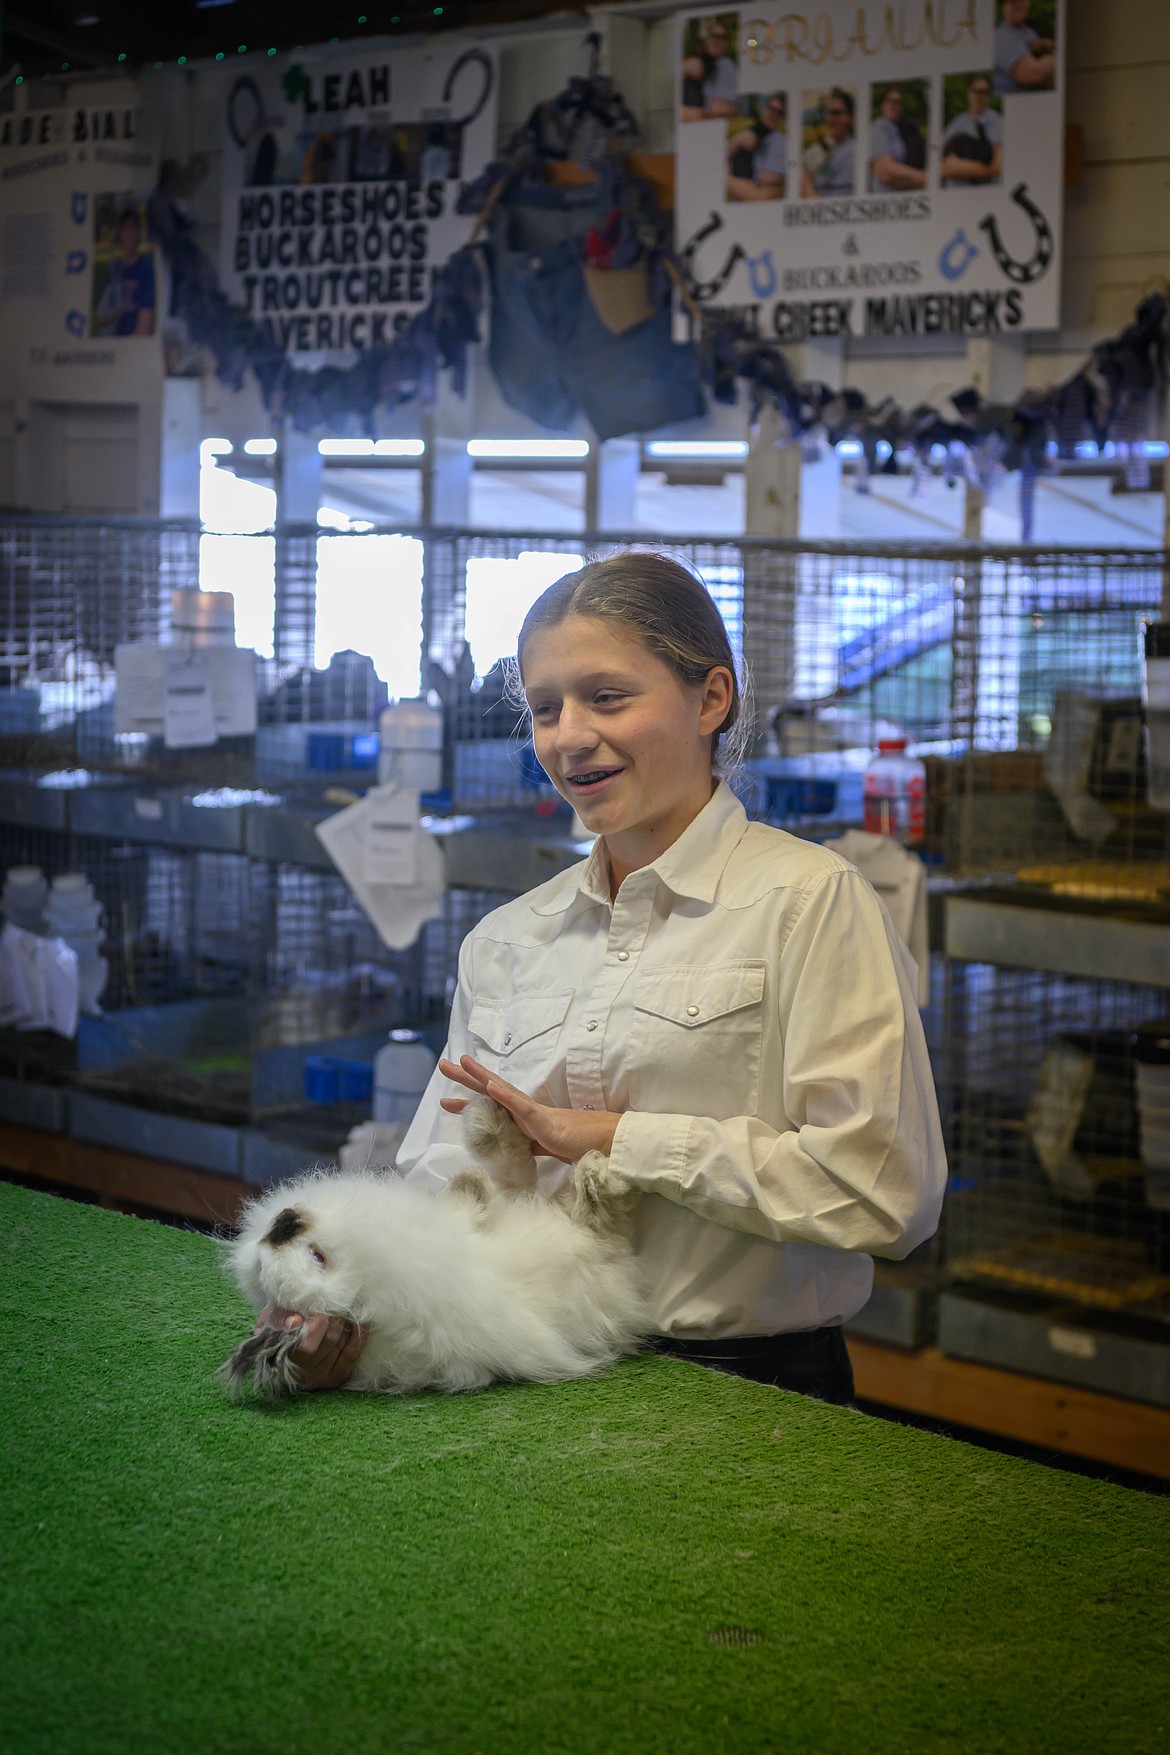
x: 287, y: 1224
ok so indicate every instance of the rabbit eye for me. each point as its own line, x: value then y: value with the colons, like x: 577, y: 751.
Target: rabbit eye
x: 318, y: 1255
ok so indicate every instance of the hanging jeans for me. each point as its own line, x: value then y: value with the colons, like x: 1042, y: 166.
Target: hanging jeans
x: 550, y: 353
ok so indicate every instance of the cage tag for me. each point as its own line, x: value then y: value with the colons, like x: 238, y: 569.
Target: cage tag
x: 392, y: 836
x: 188, y: 705
x: 1073, y: 1342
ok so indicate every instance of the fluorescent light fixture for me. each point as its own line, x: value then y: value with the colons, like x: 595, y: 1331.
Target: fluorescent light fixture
x: 346, y: 447
x: 260, y: 447
x: 399, y: 448
x: 699, y: 448
x: 545, y: 449
x: 216, y: 448
x: 848, y: 447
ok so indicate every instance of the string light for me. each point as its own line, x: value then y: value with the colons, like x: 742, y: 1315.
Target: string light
x: 272, y: 51
x: 20, y: 79
x: 182, y: 60
x: 121, y: 57
x: 219, y: 57
x: 243, y: 49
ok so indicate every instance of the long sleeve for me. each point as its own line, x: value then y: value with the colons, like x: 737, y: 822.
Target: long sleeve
x: 431, y: 1147
x: 862, y: 1166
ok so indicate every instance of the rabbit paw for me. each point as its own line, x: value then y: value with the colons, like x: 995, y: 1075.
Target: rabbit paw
x: 602, y: 1198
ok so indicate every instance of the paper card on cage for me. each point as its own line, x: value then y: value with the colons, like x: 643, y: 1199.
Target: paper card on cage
x: 138, y: 692
x: 391, y: 841
x: 233, y: 689
x: 140, y: 699
x: 397, y: 911
x: 188, y: 701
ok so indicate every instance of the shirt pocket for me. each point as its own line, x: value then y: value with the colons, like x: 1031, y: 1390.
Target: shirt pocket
x: 517, y: 1037
x: 698, y: 1036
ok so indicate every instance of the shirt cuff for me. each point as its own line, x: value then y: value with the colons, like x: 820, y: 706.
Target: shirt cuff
x: 650, y: 1151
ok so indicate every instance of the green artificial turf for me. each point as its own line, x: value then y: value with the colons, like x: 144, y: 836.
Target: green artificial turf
x: 662, y: 1559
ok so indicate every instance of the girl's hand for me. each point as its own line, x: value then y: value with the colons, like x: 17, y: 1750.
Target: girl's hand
x: 566, y: 1134
x: 328, y: 1349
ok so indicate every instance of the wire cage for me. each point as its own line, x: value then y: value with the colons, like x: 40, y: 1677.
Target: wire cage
x: 1057, y: 1219
x: 236, y: 953
x: 1014, y: 673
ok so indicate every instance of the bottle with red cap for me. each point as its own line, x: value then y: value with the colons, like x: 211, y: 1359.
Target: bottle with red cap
x: 893, y: 790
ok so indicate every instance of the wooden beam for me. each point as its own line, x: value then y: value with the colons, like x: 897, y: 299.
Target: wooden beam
x: 1055, y: 1416
x: 120, y: 1178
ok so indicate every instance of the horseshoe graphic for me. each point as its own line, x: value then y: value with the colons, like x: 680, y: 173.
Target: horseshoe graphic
x: 477, y: 58
x: 707, y: 289
x: 762, y: 271
x: 1021, y: 272
x: 950, y: 264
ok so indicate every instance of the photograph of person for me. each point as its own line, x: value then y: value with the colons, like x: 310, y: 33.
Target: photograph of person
x: 972, y: 143
x: 757, y: 150
x: 710, y: 69
x: 124, y: 295
x: 1025, y: 46
x: 899, y: 119
x: 828, y: 165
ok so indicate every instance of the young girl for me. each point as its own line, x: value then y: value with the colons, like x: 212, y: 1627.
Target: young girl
x: 721, y: 1008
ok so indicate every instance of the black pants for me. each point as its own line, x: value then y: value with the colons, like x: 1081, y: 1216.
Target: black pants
x: 813, y: 1362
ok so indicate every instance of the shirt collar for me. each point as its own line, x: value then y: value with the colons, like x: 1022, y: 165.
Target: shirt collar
x: 691, y: 866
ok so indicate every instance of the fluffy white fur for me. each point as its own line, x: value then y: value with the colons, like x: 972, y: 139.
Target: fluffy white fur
x: 480, y: 1281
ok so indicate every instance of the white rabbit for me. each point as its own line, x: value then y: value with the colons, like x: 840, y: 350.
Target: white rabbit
x: 481, y: 1281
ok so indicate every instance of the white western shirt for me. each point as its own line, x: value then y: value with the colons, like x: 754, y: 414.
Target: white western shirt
x: 747, y: 1007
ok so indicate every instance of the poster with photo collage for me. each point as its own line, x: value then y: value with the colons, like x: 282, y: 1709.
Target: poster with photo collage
x: 868, y: 169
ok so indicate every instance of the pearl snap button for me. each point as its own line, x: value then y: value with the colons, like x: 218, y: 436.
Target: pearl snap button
x: 692, y: 1011
x: 623, y: 956
x: 508, y: 1040
x: 592, y: 1024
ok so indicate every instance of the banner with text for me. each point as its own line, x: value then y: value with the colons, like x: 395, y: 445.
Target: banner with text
x: 80, y: 299
x: 341, y: 173
x: 873, y: 169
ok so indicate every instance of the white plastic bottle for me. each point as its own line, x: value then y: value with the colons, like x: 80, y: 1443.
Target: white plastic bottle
x: 402, y: 1072
x: 410, y: 745
x: 893, y: 790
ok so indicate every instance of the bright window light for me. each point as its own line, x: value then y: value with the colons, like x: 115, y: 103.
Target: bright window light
x: 399, y: 448
x: 231, y: 557
x: 517, y: 449
x: 260, y: 447
x: 369, y: 599
x: 500, y: 593
x: 215, y: 448
x: 346, y: 447
x: 700, y: 448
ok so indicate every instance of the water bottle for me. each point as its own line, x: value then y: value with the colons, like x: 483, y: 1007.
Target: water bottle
x: 402, y: 1072
x: 893, y: 789
x: 410, y: 745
